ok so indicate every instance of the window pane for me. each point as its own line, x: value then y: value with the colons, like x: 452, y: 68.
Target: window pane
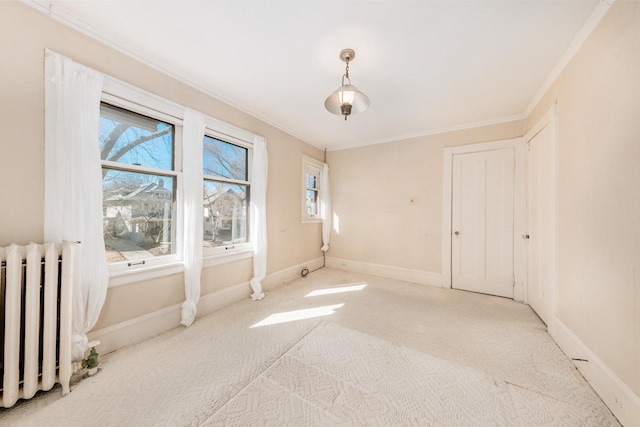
x: 312, y: 180
x: 133, y: 139
x: 224, y: 160
x: 225, y: 214
x: 312, y: 202
x: 137, y: 210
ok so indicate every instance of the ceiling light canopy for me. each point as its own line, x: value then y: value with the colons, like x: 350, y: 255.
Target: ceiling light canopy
x: 347, y: 99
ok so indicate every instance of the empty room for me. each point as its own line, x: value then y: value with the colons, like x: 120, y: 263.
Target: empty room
x: 316, y: 212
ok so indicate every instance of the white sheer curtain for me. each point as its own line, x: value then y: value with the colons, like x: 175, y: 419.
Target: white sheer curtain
x: 193, y: 133
x: 258, y: 227
x: 73, y: 183
x: 325, y: 207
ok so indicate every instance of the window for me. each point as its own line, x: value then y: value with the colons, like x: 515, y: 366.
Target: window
x: 140, y: 142
x: 311, y: 170
x: 226, y: 193
x: 139, y: 182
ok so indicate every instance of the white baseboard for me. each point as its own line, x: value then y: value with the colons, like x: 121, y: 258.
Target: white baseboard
x: 623, y: 402
x: 143, y: 327
x: 520, y: 292
x: 137, y: 329
x: 415, y: 276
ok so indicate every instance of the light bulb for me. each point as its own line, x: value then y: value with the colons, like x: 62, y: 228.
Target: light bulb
x: 347, y: 96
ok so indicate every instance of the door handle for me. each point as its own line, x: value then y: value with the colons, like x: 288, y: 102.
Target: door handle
x: 457, y: 233
x: 525, y: 237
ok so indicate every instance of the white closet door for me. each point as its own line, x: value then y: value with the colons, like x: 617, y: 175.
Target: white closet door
x: 482, y: 222
x: 540, y: 222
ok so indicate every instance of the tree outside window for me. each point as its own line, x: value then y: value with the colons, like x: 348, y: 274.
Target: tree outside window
x: 139, y: 185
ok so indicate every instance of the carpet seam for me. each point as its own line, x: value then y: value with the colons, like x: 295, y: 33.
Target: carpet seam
x: 553, y: 398
x: 328, y: 374
x: 263, y: 372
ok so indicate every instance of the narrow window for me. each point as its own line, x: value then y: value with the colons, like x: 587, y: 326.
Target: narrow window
x: 226, y: 193
x: 311, y: 170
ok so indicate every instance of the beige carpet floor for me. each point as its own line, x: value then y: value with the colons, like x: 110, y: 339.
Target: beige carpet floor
x: 336, y: 348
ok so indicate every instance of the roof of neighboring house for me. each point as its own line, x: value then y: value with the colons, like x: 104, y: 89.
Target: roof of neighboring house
x: 212, y: 196
x: 143, y: 190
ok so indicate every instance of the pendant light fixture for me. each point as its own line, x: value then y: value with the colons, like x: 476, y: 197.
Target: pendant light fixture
x: 347, y: 99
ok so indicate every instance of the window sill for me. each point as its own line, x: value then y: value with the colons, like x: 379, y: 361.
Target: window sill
x: 141, y: 274
x: 310, y: 220
x: 213, y: 260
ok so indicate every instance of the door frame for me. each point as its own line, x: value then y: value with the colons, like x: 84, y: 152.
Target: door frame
x: 519, y: 206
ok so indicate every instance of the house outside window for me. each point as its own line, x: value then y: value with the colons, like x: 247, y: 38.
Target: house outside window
x: 311, y: 172
x: 226, y: 192
x: 139, y: 182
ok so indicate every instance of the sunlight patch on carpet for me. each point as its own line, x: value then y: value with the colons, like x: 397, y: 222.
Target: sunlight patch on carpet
x: 338, y: 290
x: 292, y: 316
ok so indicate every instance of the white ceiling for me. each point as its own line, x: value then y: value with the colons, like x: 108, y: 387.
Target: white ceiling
x: 427, y: 66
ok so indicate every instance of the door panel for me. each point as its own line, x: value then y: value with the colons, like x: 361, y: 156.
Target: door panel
x: 540, y: 223
x: 482, y: 222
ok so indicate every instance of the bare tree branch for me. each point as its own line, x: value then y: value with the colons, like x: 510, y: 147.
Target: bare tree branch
x: 140, y: 140
x: 113, y: 137
x: 235, y: 171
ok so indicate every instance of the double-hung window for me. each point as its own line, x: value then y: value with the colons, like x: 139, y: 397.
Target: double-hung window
x: 139, y: 153
x: 140, y: 142
x: 226, y: 193
x: 311, y: 170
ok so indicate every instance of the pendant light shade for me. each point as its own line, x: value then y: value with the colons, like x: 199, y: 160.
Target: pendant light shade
x: 347, y: 99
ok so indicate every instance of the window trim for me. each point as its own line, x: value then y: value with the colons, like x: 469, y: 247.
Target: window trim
x: 306, y: 163
x: 146, y: 272
x: 224, y: 258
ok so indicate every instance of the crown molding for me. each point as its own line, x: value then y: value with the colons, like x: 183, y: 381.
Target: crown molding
x: 434, y: 132
x: 61, y: 15
x: 586, y: 30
